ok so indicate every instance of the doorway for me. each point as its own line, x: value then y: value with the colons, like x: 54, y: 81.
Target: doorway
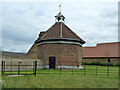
x: 52, y: 61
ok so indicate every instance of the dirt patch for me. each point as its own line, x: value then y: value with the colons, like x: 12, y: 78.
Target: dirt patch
x: 13, y: 76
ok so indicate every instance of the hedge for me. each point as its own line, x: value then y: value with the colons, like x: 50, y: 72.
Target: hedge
x: 99, y: 63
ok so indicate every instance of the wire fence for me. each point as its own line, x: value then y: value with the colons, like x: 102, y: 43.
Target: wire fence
x: 35, y: 67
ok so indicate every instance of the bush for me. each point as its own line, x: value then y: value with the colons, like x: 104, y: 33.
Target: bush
x: 88, y: 63
x: 110, y: 64
x: 103, y: 64
x: 96, y: 62
x: 99, y: 63
x: 116, y: 65
x: 106, y: 64
x: 83, y: 62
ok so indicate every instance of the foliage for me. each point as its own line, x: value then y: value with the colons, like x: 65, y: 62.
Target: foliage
x: 103, y: 64
x: 98, y: 63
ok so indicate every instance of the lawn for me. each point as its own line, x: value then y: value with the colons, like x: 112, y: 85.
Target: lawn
x: 66, y: 78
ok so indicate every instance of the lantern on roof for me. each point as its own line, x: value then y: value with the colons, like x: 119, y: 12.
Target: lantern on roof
x: 59, y: 17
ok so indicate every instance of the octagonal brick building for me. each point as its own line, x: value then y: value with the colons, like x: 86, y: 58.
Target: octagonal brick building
x: 59, y: 46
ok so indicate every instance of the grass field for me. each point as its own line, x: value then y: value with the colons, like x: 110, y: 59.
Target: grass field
x: 67, y: 79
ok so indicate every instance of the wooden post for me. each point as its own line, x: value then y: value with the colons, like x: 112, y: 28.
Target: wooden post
x: 35, y: 67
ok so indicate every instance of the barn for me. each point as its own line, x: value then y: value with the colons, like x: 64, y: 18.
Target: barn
x: 103, y: 52
x: 58, y: 47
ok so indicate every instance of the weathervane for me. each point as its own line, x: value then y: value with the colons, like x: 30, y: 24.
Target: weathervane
x: 59, y: 17
x: 60, y: 8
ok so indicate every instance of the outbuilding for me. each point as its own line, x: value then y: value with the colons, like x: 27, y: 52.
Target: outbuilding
x: 58, y: 47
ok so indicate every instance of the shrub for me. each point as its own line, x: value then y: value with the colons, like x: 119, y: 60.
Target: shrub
x: 103, y: 64
x: 83, y: 62
x: 99, y: 63
x: 96, y: 62
x: 110, y: 64
x: 116, y: 65
x: 88, y: 63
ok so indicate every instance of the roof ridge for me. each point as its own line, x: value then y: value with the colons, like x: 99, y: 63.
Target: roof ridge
x: 107, y: 43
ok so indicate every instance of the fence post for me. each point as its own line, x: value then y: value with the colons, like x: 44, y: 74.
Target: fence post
x: 4, y: 67
x: 60, y: 69
x: 84, y: 69
x: 72, y: 68
x: 11, y: 67
x: 35, y: 67
x: 2, y: 72
x: 18, y: 67
x: 96, y: 69
x: 108, y: 70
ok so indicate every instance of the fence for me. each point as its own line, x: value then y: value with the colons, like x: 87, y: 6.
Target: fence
x: 34, y: 67
x: 18, y: 67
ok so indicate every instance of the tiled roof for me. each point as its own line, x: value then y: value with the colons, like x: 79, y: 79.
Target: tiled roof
x: 55, y: 32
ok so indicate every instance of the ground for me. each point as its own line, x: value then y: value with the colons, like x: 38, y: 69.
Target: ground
x: 66, y: 78
x: 63, y: 81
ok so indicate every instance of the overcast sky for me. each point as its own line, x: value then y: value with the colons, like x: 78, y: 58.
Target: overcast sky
x: 21, y: 22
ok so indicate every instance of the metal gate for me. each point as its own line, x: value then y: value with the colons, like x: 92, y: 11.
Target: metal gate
x: 18, y: 67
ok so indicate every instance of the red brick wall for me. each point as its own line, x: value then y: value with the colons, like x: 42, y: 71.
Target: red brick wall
x: 30, y: 54
x: 65, y: 54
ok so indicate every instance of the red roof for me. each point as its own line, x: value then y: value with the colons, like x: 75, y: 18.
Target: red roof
x: 102, y: 50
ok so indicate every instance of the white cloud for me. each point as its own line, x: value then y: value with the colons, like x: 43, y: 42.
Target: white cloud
x: 22, y: 22
x: 59, y: 1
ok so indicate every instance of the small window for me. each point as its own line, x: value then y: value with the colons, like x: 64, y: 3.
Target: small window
x: 33, y: 51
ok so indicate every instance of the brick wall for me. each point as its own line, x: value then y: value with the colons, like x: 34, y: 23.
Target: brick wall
x: 65, y: 54
x: 30, y: 54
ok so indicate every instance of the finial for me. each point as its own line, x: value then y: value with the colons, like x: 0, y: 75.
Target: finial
x: 59, y: 17
x: 60, y: 8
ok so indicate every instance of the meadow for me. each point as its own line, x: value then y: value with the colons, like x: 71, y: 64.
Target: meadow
x: 85, y: 78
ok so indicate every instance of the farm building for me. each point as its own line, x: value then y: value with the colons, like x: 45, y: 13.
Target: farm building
x: 57, y: 47
x: 104, y: 52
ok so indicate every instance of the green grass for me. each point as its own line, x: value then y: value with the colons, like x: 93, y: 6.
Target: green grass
x: 67, y: 79
x: 90, y: 69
